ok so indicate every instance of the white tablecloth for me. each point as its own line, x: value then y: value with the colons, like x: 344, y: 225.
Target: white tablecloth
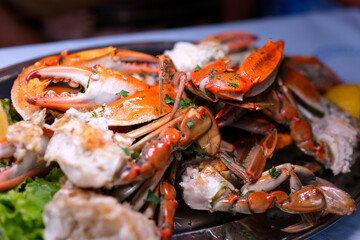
x: 333, y: 35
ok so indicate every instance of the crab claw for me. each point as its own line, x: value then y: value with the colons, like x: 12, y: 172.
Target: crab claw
x: 337, y: 201
x: 101, y: 86
x: 261, y: 66
x: 234, y: 41
x: 330, y: 199
x: 256, y: 74
x: 118, y: 59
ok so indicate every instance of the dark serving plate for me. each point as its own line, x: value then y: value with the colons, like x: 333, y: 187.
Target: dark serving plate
x: 193, y: 224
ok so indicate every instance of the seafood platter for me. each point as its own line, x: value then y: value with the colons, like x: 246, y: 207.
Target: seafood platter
x: 216, y: 139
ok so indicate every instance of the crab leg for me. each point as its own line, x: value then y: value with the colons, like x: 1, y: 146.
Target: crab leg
x: 169, y: 205
x: 101, y: 86
x: 192, y: 125
x: 299, y: 84
x: 138, y: 201
x: 26, y: 142
x: 248, y: 162
x: 218, y: 194
x: 285, y: 112
x: 8, y: 180
x: 314, y: 70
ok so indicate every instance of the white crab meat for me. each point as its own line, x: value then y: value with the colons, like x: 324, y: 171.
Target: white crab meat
x: 89, y: 154
x: 27, y: 137
x: 78, y: 214
x: 186, y: 56
x: 336, y: 130
x: 202, y: 186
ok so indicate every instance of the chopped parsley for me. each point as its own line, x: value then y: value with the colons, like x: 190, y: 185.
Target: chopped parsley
x: 197, y: 68
x: 168, y: 99
x: 200, y: 169
x: 248, y: 235
x: 274, y: 173
x: 231, y: 154
x: 166, y: 65
x: 190, y: 124
x: 123, y: 93
x: 210, y: 94
x: 127, y: 151
x: 227, y: 161
x: 233, y: 84
x: 202, y: 233
x: 212, y: 73
x: 135, y: 154
x: 195, y: 149
x: 151, y: 197
x: 185, y: 103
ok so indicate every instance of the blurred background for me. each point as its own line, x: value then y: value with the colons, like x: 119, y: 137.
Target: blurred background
x: 36, y: 21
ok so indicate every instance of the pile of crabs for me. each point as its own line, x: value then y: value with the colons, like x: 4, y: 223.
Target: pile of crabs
x: 123, y: 120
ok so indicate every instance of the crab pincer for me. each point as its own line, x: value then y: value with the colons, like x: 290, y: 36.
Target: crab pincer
x: 117, y: 59
x: 233, y: 41
x: 100, y: 85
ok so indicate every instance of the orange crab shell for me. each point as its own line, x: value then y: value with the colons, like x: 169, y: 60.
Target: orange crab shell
x: 140, y: 107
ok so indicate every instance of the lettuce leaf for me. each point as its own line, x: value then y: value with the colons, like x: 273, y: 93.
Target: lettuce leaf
x: 21, y: 208
x: 13, y: 116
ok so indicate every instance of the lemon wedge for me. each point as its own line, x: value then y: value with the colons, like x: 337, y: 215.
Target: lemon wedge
x: 347, y: 97
x: 4, y: 122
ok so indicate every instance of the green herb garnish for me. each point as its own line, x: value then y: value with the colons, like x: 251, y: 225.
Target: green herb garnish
x: 123, y: 93
x: 127, y: 151
x: 202, y: 233
x: 168, y: 99
x: 233, y: 84
x: 151, y: 197
x: 274, y: 173
x: 227, y: 161
x: 197, y: 68
x: 190, y: 124
x: 185, y: 103
x: 135, y: 154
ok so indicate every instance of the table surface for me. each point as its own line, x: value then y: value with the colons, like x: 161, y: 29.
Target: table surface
x: 334, y: 36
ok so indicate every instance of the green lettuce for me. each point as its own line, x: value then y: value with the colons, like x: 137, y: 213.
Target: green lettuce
x: 13, y: 116
x: 21, y: 208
